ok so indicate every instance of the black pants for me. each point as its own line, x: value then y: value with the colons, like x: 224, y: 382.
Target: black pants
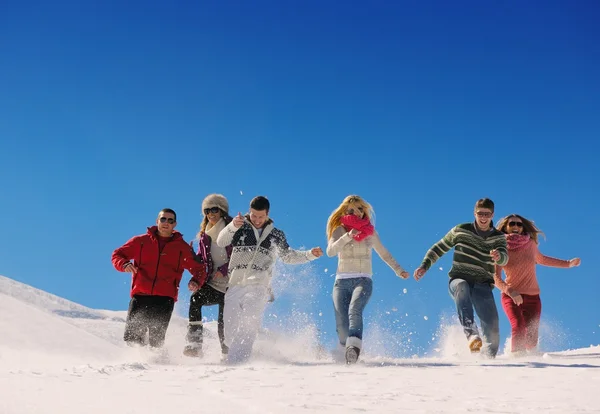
x: 206, y: 296
x: 148, y: 314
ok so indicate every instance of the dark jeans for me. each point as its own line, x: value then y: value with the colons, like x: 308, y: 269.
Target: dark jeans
x: 206, y: 296
x: 481, y: 297
x: 148, y: 315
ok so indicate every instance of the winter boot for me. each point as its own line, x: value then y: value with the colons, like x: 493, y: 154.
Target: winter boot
x: 353, y: 345
x: 475, y: 344
x: 193, y: 351
x: 352, y: 354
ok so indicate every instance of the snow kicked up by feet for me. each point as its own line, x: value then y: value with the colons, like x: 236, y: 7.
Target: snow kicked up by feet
x: 57, y: 356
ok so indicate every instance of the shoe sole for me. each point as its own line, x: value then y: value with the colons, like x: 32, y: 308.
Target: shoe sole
x: 351, y: 355
x: 475, y: 345
x: 192, y: 354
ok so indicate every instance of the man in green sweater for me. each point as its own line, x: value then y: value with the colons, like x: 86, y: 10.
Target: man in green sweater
x: 478, y: 247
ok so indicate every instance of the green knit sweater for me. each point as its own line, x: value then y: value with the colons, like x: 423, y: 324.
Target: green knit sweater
x: 472, y: 260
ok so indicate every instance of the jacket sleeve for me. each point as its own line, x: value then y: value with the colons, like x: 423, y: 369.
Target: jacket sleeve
x: 225, y: 267
x: 291, y: 256
x: 124, y: 254
x: 339, y: 238
x: 385, y: 255
x: 197, y: 255
x: 549, y: 261
x: 498, y: 281
x: 439, y: 249
x: 503, y: 252
x: 198, y: 270
x: 226, y: 235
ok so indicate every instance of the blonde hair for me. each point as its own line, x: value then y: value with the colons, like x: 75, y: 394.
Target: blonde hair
x: 204, y: 223
x: 528, y: 227
x: 202, y: 227
x: 335, y: 219
x: 213, y: 200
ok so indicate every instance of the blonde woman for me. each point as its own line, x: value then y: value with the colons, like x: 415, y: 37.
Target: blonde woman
x: 352, y: 237
x: 520, y: 291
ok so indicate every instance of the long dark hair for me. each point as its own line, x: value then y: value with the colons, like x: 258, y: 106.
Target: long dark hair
x: 528, y: 226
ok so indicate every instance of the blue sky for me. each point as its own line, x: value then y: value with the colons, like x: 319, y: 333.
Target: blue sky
x: 111, y: 111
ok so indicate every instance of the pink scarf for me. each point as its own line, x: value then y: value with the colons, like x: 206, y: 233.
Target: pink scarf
x: 516, y: 241
x: 363, y: 225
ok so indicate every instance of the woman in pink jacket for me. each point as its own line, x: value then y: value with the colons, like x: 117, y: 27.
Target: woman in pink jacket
x: 520, y: 291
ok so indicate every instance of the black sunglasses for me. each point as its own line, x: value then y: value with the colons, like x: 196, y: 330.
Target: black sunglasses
x: 515, y: 223
x: 214, y: 210
x: 165, y: 220
x: 350, y: 211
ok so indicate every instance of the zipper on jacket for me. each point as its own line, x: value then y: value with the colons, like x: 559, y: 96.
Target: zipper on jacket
x: 258, y: 243
x: 140, y: 261
x: 139, y: 265
x: 157, y: 263
x: 179, y: 260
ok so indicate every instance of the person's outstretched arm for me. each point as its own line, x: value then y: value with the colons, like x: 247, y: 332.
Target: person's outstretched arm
x: 435, y: 252
x: 387, y: 257
x: 554, y: 262
x: 291, y: 256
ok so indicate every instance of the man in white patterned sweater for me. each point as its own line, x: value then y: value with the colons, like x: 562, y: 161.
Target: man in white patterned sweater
x: 256, y: 246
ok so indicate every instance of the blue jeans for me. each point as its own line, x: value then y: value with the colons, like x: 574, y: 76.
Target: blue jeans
x: 350, y: 296
x: 481, y: 297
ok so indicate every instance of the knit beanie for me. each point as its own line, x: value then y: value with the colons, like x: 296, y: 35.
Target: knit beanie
x: 216, y: 200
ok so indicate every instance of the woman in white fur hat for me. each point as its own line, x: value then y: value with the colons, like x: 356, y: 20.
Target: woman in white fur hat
x: 215, y: 209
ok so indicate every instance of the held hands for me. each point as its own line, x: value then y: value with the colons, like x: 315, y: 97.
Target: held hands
x: 574, y: 262
x: 130, y: 267
x: 403, y: 274
x: 495, y: 255
x: 516, y: 297
x: 193, y: 285
x: 419, y: 273
x: 238, y: 220
x: 316, y: 251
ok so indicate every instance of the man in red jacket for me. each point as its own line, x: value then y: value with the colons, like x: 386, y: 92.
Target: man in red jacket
x: 159, y: 258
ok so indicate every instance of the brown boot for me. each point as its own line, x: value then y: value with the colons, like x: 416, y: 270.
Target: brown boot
x: 475, y: 344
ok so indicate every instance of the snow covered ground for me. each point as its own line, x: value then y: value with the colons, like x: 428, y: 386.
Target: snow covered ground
x: 57, y: 356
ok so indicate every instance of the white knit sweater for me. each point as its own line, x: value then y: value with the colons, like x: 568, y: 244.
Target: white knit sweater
x: 254, y: 255
x: 355, y: 256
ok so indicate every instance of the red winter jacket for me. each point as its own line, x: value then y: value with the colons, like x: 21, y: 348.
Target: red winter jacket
x: 159, y: 273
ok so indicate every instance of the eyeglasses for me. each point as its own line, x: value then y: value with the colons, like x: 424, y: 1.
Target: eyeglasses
x: 350, y: 211
x: 484, y: 214
x: 167, y: 220
x: 213, y: 210
x: 515, y: 223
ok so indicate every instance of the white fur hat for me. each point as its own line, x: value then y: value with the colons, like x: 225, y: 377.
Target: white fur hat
x: 215, y: 200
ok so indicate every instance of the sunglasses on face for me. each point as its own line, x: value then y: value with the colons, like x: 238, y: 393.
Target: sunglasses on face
x: 515, y: 223
x: 484, y: 214
x: 213, y: 210
x: 167, y: 220
x: 351, y: 210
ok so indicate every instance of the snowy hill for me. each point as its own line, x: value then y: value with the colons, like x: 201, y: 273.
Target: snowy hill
x: 57, y: 356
